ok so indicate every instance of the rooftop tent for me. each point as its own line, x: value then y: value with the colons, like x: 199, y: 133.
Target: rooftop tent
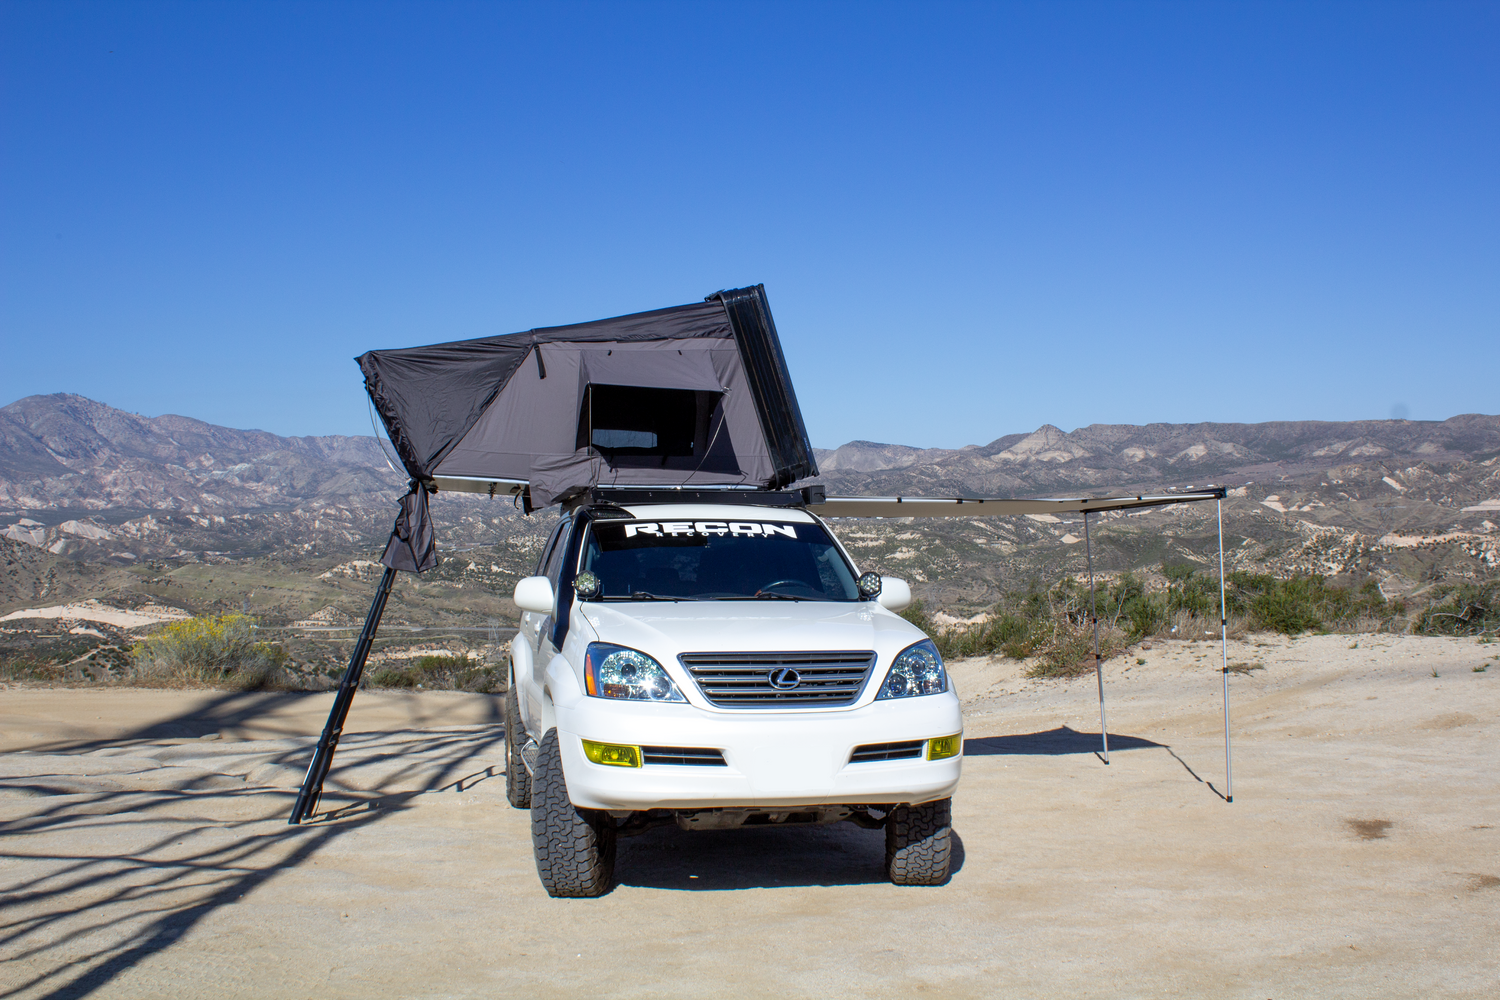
x: 691, y: 395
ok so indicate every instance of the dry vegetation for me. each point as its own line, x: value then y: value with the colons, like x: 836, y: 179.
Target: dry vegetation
x: 1054, y: 626
x: 217, y: 651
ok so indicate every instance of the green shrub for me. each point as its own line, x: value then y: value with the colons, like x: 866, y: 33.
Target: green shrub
x: 1309, y: 603
x: 1070, y: 652
x: 1468, y: 609
x: 211, y: 650
x: 1053, y: 626
x: 439, y: 673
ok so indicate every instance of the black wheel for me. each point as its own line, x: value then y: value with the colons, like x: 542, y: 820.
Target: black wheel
x: 517, y: 778
x: 575, y: 848
x: 918, y: 845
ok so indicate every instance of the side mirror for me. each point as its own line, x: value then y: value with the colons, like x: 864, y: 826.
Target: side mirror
x: 894, y: 594
x: 534, y: 593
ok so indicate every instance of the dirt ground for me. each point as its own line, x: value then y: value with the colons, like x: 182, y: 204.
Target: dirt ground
x: 145, y: 851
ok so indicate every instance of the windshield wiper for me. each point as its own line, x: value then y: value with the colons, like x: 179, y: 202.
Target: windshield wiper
x: 643, y: 595
x: 771, y: 595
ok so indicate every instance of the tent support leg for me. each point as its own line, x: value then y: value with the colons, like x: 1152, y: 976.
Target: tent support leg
x: 312, y: 785
x: 1224, y: 659
x: 1094, y: 617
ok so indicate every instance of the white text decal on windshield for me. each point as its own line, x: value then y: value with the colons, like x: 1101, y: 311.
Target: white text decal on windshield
x: 737, y: 529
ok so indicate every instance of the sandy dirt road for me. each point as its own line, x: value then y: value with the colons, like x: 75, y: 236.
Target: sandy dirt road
x: 1360, y: 858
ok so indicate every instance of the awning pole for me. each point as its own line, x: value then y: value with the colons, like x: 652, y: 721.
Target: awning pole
x: 1088, y: 547
x: 1224, y: 658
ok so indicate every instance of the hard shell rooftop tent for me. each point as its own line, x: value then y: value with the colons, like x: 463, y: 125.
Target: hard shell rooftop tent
x: 692, y: 395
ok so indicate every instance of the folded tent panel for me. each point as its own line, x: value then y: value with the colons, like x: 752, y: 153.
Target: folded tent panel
x: 691, y: 395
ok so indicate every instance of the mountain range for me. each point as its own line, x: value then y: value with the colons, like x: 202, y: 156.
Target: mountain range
x: 1120, y: 455
x: 68, y: 452
x: 82, y: 483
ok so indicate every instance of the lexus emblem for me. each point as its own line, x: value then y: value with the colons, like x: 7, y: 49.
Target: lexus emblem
x: 784, y: 678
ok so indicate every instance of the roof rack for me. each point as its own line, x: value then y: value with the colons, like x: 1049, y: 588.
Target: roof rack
x: 619, y: 496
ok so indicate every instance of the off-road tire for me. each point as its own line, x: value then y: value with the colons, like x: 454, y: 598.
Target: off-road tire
x: 517, y: 778
x: 575, y: 848
x: 918, y: 843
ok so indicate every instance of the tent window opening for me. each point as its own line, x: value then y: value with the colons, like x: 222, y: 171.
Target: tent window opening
x: 645, y: 422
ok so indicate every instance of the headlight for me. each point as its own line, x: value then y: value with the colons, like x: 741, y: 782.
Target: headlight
x: 918, y: 670
x: 611, y: 671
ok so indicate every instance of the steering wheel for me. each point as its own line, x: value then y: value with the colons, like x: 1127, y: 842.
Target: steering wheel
x: 777, y: 583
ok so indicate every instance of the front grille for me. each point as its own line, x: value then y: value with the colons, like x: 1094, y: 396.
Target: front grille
x: 744, y: 680
x: 887, y: 751
x: 694, y: 756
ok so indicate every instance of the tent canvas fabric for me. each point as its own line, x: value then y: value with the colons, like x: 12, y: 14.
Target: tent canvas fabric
x: 696, y: 394
x: 412, y: 546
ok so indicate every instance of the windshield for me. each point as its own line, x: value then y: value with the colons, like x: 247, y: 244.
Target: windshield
x: 717, y: 560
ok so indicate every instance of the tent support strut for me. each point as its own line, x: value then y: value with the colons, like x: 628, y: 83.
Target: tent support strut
x: 1224, y: 659
x: 312, y: 785
x: 1088, y: 546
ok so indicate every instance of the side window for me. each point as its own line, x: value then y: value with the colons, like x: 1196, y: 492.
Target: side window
x: 553, y: 568
x: 547, y: 550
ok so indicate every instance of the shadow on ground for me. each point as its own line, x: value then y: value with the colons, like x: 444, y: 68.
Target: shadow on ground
x: 757, y: 858
x: 1063, y: 741
x: 74, y: 917
x: 269, y: 715
x: 1052, y: 742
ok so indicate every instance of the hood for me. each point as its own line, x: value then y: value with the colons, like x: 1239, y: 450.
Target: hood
x: 666, y: 629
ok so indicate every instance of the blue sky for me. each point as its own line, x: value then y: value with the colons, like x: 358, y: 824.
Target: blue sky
x: 971, y: 219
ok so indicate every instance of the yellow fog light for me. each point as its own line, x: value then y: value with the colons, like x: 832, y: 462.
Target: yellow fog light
x: 944, y: 746
x: 612, y: 753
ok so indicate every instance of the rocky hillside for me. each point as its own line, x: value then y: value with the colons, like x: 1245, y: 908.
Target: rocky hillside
x: 207, y: 517
x: 67, y: 452
x: 1410, y: 504
x: 1105, y: 456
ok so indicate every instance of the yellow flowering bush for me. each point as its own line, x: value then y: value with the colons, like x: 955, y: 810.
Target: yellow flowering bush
x: 220, y: 649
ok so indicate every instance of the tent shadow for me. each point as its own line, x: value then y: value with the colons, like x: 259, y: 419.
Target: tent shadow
x: 145, y: 901
x: 758, y: 858
x: 205, y: 847
x: 1051, y: 743
x: 272, y: 713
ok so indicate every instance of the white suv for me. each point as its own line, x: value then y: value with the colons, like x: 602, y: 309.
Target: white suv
x: 717, y: 665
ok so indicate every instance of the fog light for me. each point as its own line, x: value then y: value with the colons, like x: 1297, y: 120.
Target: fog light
x: 612, y: 754
x: 943, y: 746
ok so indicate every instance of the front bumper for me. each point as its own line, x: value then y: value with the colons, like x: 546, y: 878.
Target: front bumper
x: 772, y: 758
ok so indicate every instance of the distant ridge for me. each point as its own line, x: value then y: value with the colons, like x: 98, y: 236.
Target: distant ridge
x: 68, y: 451
x: 1116, y: 454
x: 87, y: 481
x: 94, y: 500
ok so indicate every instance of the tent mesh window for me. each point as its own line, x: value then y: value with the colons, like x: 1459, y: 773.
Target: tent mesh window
x: 639, y: 425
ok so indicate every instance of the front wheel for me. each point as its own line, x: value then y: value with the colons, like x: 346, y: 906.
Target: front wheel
x: 575, y: 848
x: 918, y: 843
